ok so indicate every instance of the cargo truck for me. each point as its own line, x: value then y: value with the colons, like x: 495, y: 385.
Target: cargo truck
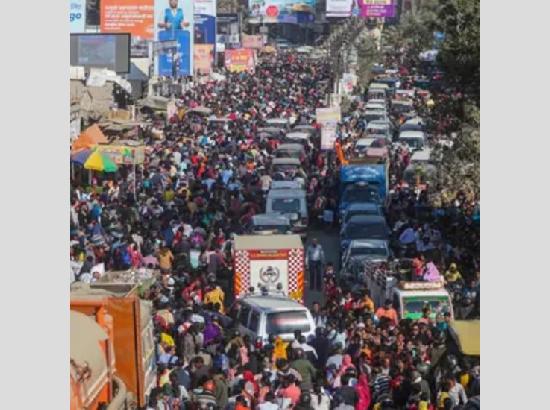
x: 132, y: 331
x: 273, y: 262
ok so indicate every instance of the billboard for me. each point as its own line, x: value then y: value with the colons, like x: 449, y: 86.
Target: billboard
x: 203, y: 58
x: 77, y: 15
x: 340, y: 8
x: 128, y: 16
x: 377, y: 8
x: 283, y: 11
x: 111, y: 51
x: 205, y: 21
x: 253, y: 41
x: 328, y: 119
x: 228, y: 29
x: 239, y: 60
x: 174, y: 21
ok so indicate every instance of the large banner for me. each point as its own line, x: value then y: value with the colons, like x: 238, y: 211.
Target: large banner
x: 239, y: 60
x: 174, y: 21
x: 340, y: 8
x: 227, y: 30
x: 203, y: 58
x: 128, y: 16
x: 328, y: 119
x: 77, y: 15
x: 283, y: 11
x: 377, y: 8
x: 123, y: 154
x: 253, y: 41
x: 205, y: 21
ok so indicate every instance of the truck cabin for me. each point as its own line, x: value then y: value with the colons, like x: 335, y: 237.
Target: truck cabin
x: 411, y: 299
x: 464, y: 342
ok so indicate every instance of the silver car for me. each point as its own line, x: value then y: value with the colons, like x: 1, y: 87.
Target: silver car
x: 261, y: 315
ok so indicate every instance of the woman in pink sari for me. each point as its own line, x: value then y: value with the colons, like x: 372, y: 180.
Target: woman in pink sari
x: 363, y: 391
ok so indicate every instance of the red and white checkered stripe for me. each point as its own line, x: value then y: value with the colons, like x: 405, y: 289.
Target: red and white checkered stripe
x: 242, y: 272
x: 295, y: 265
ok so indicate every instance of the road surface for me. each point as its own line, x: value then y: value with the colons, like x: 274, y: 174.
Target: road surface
x: 330, y: 241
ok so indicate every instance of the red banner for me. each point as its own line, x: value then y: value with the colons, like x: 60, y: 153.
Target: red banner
x: 239, y: 60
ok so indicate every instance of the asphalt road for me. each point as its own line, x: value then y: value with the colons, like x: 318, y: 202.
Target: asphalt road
x: 330, y: 241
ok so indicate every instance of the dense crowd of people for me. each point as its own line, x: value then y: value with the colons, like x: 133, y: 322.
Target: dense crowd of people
x: 201, y: 185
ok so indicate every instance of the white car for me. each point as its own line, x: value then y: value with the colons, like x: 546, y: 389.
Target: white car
x: 260, y: 315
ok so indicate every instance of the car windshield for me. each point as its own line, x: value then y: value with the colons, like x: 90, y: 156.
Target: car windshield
x: 374, y: 117
x: 349, y: 214
x: 288, y: 154
x: 354, y: 194
x: 284, y: 168
x: 413, y: 305
x: 413, y: 142
x: 286, y: 205
x: 366, y: 230
x: 368, y: 251
x: 278, y: 228
x: 287, y: 322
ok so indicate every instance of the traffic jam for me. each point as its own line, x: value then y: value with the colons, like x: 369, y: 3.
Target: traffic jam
x: 279, y: 273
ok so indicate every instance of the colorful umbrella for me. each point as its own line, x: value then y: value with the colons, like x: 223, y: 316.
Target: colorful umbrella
x: 97, y: 161
x: 81, y: 156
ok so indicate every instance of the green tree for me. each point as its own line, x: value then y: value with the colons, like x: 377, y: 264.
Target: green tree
x: 460, y: 51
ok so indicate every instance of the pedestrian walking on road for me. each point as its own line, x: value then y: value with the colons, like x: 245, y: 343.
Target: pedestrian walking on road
x: 315, y: 259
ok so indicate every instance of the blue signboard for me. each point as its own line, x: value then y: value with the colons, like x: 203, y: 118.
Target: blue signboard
x: 77, y: 15
x: 174, y: 20
x: 182, y: 63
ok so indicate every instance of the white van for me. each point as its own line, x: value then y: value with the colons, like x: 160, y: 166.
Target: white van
x: 409, y: 298
x: 291, y: 203
x: 414, y: 139
x: 261, y: 315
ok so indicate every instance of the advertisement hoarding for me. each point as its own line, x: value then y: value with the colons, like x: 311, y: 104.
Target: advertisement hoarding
x: 328, y: 119
x: 283, y: 11
x: 174, y: 20
x: 323, y: 115
x: 91, y: 50
x: 253, y: 41
x: 340, y: 8
x: 77, y: 15
x: 205, y: 21
x: 128, y: 16
x: 203, y: 58
x: 377, y: 8
x: 123, y: 154
x: 227, y: 30
x: 239, y: 60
